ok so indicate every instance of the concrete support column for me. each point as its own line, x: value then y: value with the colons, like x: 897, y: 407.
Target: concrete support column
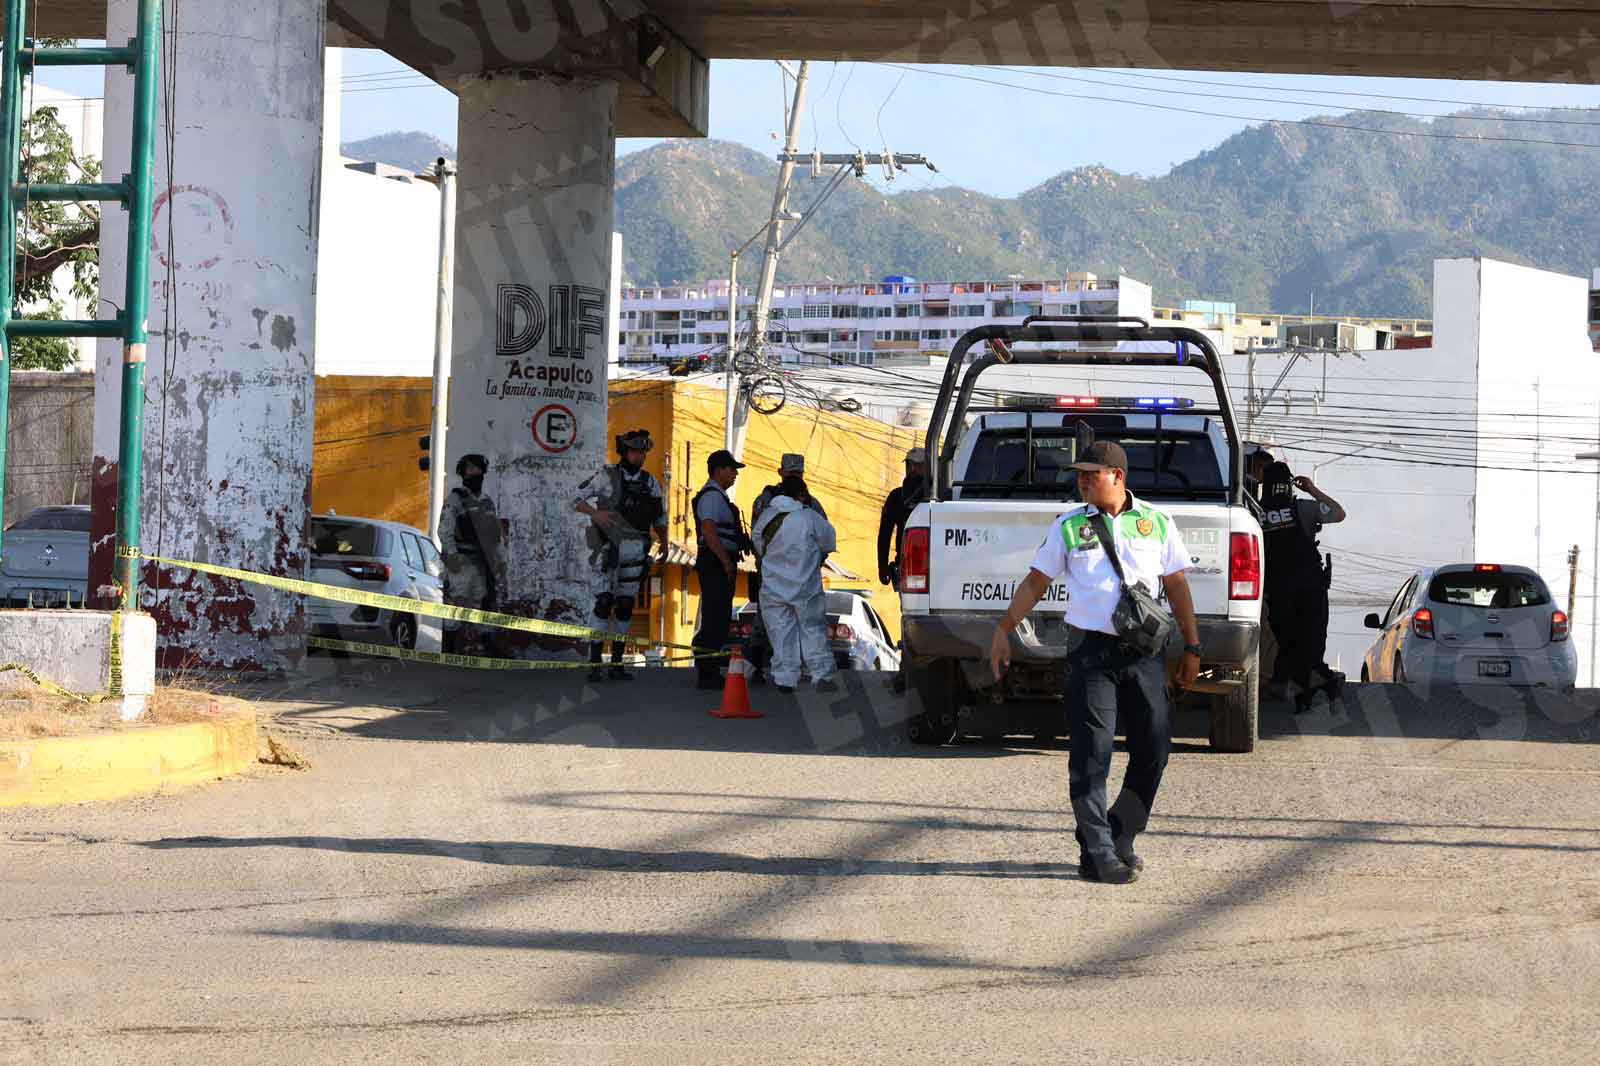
x: 533, y: 261
x: 229, y: 419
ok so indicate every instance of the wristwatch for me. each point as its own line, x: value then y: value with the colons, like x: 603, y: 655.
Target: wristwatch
x: 1192, y: 649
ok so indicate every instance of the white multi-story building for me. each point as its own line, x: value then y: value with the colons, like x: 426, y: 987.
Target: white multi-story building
x: 896, y: 321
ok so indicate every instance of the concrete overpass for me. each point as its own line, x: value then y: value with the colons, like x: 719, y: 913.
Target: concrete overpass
x: 544, y: 89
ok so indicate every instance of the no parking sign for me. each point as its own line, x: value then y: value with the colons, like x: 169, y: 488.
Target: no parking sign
x: 555, y: 428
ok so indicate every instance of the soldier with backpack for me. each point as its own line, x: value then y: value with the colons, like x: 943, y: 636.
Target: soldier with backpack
x: 474, y: 555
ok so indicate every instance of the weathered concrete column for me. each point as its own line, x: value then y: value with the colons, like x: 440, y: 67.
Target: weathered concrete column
x: 228, y: 427
x: 533, y: 252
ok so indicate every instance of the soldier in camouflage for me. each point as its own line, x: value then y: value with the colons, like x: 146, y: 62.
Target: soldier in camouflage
x: 474, y: 555
x: 624, y: 503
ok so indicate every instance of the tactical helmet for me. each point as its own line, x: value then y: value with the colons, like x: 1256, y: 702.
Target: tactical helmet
x: 638, y: 439
x: 481, y: 462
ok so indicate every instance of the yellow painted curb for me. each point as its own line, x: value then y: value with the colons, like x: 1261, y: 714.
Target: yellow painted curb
x: 135, y: 762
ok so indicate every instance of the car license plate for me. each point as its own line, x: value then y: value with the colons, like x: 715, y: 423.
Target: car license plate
x: 1494, y: 667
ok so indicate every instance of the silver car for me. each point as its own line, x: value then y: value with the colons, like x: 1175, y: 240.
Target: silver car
x: 374, y: 556
x: 1472, y: 623
x: 857, y: 636
x: 46, y: 559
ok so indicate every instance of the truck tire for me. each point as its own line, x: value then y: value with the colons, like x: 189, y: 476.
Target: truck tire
x: 933, y: 705
x: 1235, y: 718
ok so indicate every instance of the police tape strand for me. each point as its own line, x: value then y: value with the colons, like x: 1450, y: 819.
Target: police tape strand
x: 446, y: 611
x: 50, y: 686
x: 475, y: 662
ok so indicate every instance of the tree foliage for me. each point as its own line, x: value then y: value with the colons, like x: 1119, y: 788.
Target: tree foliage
x: 52, y: 237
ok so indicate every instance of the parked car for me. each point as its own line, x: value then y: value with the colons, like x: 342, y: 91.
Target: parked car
x: 1472, y: 623
x: 372, y: 556
x: 859, y: 639
x: 46, y: 558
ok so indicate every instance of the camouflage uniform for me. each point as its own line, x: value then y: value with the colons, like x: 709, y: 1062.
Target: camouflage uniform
x: 475, y: 559
x: 619, y: 556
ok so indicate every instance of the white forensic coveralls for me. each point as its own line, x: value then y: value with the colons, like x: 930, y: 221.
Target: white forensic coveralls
x: 792, y: 602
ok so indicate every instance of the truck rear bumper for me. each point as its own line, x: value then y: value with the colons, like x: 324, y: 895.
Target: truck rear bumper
x: 966, y: 635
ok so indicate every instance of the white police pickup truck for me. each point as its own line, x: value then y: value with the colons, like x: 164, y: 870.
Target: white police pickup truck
x: 1000, y: 475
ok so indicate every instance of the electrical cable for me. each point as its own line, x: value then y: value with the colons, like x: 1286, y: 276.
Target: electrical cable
x: 1349, y: 127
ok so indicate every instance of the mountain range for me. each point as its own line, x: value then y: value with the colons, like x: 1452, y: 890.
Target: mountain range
x: 1272, y: 217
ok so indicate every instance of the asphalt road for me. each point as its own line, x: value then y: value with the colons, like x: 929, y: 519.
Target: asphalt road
x: 523, y: 868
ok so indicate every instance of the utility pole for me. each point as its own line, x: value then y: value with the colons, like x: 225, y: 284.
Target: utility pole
x: 733, y: 416
x: 736, y: 405
x: 1572, y: 585
x: 446, y: 172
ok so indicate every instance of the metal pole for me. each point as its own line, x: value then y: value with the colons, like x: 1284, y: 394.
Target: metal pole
x: 446, y: 172
x: 730, y: 380
x: 130, y: 454
x: 11, y: 145
x: 1594, y: 579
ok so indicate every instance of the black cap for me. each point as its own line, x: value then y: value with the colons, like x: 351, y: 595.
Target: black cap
x: 721, y: 458
x: 1103, y: 455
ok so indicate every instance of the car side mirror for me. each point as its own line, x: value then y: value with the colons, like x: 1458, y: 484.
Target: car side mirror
x: 1373, y: 621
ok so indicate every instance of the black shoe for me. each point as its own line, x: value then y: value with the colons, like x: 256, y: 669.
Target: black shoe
x: 1123, y: 846
x: 619, y: 673
x: 709, y: 683
x: 1334, y: 686
x: 787, y: 690
x: 1303, y: 698
x: 1114, y: 872
x: 597, y: 673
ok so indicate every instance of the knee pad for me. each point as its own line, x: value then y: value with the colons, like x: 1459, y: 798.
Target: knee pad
x: 602, y: 605
x: 622, y: 609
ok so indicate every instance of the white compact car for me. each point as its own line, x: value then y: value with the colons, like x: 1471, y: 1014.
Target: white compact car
x: 374, y: 556
x: 1472, y: 623
x: 45, y: 560
x: 858, y: 637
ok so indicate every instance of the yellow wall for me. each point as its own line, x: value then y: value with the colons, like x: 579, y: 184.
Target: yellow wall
x: 365, y: 457
x: 366, y: 464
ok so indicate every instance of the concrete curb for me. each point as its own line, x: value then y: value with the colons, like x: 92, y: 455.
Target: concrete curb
x: 139, y: 761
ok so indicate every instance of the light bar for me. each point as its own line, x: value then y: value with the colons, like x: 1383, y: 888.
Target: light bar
x: 1164, y: 403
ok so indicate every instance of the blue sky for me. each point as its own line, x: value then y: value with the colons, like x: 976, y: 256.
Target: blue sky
x: 1000, y: 139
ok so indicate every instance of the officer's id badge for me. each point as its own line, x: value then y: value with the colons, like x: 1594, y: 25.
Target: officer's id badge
x: 1146, y: 527
x: 1086, y: 535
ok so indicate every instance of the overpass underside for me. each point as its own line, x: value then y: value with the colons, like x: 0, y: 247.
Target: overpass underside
x: 544, y: 88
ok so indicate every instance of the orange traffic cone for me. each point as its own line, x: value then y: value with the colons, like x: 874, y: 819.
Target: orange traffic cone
x: 735, y: 692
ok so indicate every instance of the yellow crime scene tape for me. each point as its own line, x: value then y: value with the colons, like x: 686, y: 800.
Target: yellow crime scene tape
x: 51, y: 686
x: 446, y: 611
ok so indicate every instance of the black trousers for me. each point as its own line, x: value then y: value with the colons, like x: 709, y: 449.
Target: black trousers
x: 716, y: 611
x: 1106, y: 685
x: 1299, y: 617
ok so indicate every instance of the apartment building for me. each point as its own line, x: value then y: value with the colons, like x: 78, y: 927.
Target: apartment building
x: 1240, y: 332
x: 896, y: 321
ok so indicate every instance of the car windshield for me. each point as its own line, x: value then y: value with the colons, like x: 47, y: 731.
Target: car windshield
x: 1181, y: 464
x: 62, y: 519
x: 1489, y: 591
x: 840, y: 603
x: 333, y: 536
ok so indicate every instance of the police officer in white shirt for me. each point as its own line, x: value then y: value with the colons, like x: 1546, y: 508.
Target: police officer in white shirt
x: 1108, y: 682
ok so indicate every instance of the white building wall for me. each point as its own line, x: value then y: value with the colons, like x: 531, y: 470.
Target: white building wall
x: 378, y: 274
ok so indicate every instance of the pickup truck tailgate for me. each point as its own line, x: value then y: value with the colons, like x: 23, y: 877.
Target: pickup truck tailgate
x: 979, y: 550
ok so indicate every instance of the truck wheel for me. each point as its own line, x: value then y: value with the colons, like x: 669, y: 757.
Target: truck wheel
x: 1235, y: 717
x: 932, y: 692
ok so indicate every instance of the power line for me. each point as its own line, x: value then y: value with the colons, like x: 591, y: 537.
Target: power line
x: 1350, y: 127
x: 1297, y: 103
x: 1339, y: 92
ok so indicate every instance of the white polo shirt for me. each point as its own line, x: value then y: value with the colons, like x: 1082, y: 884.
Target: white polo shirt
x: 1148, y: 544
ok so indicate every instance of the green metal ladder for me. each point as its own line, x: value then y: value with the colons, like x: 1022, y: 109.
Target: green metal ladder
x: 142, y: 57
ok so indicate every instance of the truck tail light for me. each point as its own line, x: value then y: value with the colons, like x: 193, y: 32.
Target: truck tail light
x: 368, y: 571
x: 1422, y: 623
x: 1559, y: 626
x: 914, y: 560
x: 843, y: 632
x: 1244, y: 567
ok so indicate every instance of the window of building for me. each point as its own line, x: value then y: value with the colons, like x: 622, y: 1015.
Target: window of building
x: 905, y: 335
x: 815, y: 337
x: 844, y: 310
x: 905, y: 311
x: 818, y: 310
x: 1266, y: 321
